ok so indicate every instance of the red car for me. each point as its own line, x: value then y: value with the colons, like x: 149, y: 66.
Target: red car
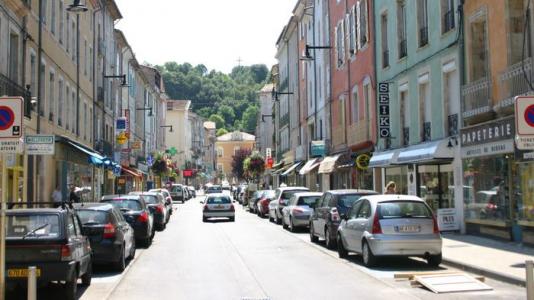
x: 263, y: 203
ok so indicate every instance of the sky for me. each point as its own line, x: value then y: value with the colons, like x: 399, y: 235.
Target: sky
x: 216, y: 33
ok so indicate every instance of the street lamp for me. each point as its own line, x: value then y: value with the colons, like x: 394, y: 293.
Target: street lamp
x: 122, y: 77
x: 275, y: 94
x: 167, y: 126
x: 77, y: 7
x: 146, y: 108
x: 265, y: 116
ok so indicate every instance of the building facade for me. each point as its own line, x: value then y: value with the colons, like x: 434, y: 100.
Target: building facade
x: 227, y: 145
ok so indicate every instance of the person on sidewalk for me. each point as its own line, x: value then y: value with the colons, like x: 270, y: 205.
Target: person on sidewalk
x: 57, y: 197
x: 73, y: 197
x: 391, y: 188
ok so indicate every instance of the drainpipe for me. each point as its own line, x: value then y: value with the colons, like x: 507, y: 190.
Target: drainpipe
x: 461, y: 64
x: 95, y: 95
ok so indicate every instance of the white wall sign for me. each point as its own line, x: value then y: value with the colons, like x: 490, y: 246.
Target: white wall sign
x: 448, y: 219
x: 40, y: 144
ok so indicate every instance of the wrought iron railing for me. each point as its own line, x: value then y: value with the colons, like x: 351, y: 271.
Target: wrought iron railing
x: 452, y: 125
x: 9, y: 87
x: 427, y: 131
x: 403, y: 49
x: 405, y: 136
x: 477, y: 97
x: 423, y: 36
x: 448, y: 21
x: 514, y: 81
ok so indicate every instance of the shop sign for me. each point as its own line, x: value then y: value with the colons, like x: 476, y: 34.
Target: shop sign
x: 127, y: 117
x: 122, y: 138
x: 121, y: 181
x: 11, y: 146
x: 383, y: 110
x: 362, y: 161
x: 40, y: 144
x: 136, y: 145
x: 143, y: 167
x: 268, y: 152
x: 448, y: 219
x: 270, y: 162
x: 488, y: 149
x: 317, y: 148
x: 120, y: 124
x: 500, y: 130
x: 188, y: 173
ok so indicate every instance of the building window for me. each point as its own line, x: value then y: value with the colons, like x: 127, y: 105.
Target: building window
x: 422, y: 21
x: 51, y: 97
x: 220, y: 167
x: 53, y: 16
x: 33, y: 74
x: 90, y: 60
x: 74, y: 119
x: 67, y: 38
x: 73, y: 35
x: 425, y: 111
x: 340, y: 44
x: 14, y: 57
x: 85, y: 119
x: 236, y: 149
x: 478, y: 51
x: 516, y: 28
x: 401, y: 29
x: 90, y: 124
x: 42, y: 92
x: 404, y: 117
x: 60, y: 103
x: 220, y: 152
x: 363, y: 31
x: 61, y: 22
x: 355, y: 112
x: 352, y: 31
x: 384, y: 38
x: 342, y: 112
x: 86, y: 60
x: 45, y: 5
x: 447, y: 15
x: 67, y: 109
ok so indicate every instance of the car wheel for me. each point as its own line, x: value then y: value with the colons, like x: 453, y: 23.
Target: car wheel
x: 270, y: 218
x: 341, y: 251
x: 120, y: 265
x: 86, y: 278
x: 434, y: 260
x: 369, y: 259
x: 70, y: 288
x: 284, y: 225
x: 132, y: 250
x: 330, y: 243
x: 146, y: 242
x: 278, y: 220
x: 232, y: 219
x: 291, y: 225
x: 204, y: 219
x: 313, y: 238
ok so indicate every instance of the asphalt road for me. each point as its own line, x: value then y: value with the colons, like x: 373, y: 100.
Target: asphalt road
x: 252, y: 258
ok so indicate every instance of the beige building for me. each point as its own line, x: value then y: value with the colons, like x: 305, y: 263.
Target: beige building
x: 227, y: 145
x: 209, y: 157
x: 180, y: 137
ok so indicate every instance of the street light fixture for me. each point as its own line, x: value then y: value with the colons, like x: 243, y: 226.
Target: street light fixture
x: 307, y: 54
x: 275, y: 94
x: 122, y: 77
x: 77, y: 7
x: 146, y: 108
x: 265, y: 116
x: 167, y: 126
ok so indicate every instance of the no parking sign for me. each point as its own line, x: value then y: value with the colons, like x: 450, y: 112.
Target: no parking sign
x: 11, y: 117
x: 524, y: 121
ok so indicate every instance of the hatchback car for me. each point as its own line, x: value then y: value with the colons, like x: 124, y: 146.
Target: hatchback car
x: 214, y: 189
x: 168, y: 199
x: 178, y: 193
x: 156, y: 204
x: 281, y: 198
x: 112, y: 238
x: 252, y: 204
x: 218, y: 206
x: 390, y: 225
x: 137, y: 214
x: 262, y: 207
x: 327, y: 213
x: 299, y: 210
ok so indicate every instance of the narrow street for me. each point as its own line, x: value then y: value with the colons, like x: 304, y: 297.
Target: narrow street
x: 255, y: 259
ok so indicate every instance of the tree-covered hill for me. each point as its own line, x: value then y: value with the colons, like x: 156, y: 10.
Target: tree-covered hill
x: 230, y: 100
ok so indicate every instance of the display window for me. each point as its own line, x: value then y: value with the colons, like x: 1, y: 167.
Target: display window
x: 399, y: 175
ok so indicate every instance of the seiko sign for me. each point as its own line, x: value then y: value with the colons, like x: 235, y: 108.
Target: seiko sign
x: 383, y: 110
x: 491, y: 132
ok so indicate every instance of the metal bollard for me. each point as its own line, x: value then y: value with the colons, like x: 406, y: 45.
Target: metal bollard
x: 530, y: 279
x: 32, y: 283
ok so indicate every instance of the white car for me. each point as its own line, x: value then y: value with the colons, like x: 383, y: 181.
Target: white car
x: 218, y: 206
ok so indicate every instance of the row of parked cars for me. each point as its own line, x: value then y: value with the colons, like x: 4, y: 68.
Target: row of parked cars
x: 182, y: 193
x: 64, y: 243
x: 358, y: 221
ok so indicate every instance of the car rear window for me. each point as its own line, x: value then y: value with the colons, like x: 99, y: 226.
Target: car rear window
x: 348, y: 200
x: 403, y: 209
x: 176, y: 189
x: 125, y: 204
x: 219, y: 200
x: 214, y: 190
x: 286, y: 195
x: 33, y: 226
x: 308, y: 200
x: 150, y: 199
x: 88, y: 216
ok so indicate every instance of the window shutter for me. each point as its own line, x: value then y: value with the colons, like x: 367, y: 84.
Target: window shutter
x: 342, y: 42
x: 358, y: 25
x: 336, y: 45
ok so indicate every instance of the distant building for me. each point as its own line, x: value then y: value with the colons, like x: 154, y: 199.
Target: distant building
x: 180, y: 137
x: 209, y: 157
x: 227, y: 145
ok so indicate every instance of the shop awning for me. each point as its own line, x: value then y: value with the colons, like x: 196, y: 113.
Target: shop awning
x: 346, y: 161
x: 280, y: 170
x: 383, y: 159
x: 431, y: 152
x: 94, y: 157
x: 328, y: 164
x: 291, y: 168
x: 309, y: 166
x: 278, y: 166
x: 131, y: 172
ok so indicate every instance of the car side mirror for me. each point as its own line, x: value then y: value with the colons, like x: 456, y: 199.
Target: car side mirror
x: 201, y: 201
x: 344, y: 217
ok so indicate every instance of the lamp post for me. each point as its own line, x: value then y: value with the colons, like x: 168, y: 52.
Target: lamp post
x: 167, y: 126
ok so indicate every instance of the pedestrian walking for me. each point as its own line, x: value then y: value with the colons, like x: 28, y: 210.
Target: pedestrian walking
x: 57, y: 197
x: 391, y: 188
x: 73, y: 197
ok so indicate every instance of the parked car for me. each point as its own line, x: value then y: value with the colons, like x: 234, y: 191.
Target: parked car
x: 192, y: 191
x: 51, y: 240
x: 112, y: 238
x: 299, y: 210
x: 178, y: 193
x: 281, y: 198
x: 168, y: 199
x: 327, y: 213
x: 263, y: 204
x: 227, y: 190
x: 136, y: 212
x: 156, y: 204
x: 218, y: 205
x: 390, y: 225
x: 214, y: 189
x: 252, y: 204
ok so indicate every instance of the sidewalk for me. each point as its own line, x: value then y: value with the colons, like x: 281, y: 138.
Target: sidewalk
x: 499, y: 260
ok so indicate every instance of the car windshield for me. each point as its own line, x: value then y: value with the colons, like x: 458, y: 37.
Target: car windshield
x: 32, y: 226
x: 125, y: 204
x: 286, y: 195
x: 348, y: 200
x: 214, y: 189
x: 308, y: 200
x: 176, y: 189
x: 89, y: 216
x: 219, y: 200
x: 269, y: 194
x: 150, y: 199
x: 403, y: 209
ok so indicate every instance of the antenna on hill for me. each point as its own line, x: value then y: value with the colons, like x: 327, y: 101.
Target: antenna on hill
x: 239, y: 61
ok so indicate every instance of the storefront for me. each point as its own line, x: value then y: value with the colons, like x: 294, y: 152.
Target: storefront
x: 326, y: 168
x: 383, y: 165
x: 15, y: 176
x: 492, y: 180
x: 131, y: 180
x: 309, y: 170
x: 525, y: 202
x: 362, y: 175
x: 290, y: 176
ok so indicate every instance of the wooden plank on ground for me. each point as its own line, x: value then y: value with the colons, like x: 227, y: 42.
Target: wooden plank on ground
x: 448, y: 283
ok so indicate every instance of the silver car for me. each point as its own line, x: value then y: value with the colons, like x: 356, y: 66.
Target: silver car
x: 299, y: 209
x: 218, y: 206
x: 390, y: 225
x: 281, y: 197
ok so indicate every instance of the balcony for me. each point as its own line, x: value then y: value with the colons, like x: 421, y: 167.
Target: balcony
x: 385, y: 59
x: 403, y: 49
x: 11, y: 88
x: 426, y: 135
x: 513, y: 82
x: 477, y: 98
x: 448, y: 21
x: 452, y: 125
x: 423, y: 36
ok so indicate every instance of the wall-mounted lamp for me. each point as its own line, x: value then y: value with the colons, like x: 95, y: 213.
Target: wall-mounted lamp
x: 146, y: 108
x: 265, y: 116
x: 121, y: 77
x: 275, y: 94
x: 307, y: 54
x: 77, y: 7
x: 167, y: 126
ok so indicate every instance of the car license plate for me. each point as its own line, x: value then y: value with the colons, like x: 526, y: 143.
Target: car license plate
x: 219, y: 206
x: 20, y: 273
x: 408, y: 228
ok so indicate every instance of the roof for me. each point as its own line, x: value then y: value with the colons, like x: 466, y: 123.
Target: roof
x: 385, y: 198
x: 34, y: 210
x: 178, y: 104
x: 210, y: 125
x: 268, y: 88
x: 236, y: 136
x: 347, y: 191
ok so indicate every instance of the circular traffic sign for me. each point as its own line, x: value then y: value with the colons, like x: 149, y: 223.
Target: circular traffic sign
x: 7, y: 117
x: 529, y: 115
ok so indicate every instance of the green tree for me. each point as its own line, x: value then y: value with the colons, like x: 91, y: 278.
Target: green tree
x: 227, y: 113
x: 250, y: 118
x: 219, y: 121
x: 221, y: 131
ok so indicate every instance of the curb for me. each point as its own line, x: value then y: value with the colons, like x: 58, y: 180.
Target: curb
x: 485, y: 272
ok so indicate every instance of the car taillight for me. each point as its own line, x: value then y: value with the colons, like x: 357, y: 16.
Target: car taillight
x: 436, y: 227
x: 143, y: 218
x: 65, y: 252
x: 232, y: 208
x: 109, y: 231
x: 334, y: 215
x: 297, y: 211
x: 160, y: 208
x: 377, y: 229
x: 206, y: 208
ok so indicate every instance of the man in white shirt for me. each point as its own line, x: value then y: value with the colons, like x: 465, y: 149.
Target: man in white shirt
x: 57, y: 197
